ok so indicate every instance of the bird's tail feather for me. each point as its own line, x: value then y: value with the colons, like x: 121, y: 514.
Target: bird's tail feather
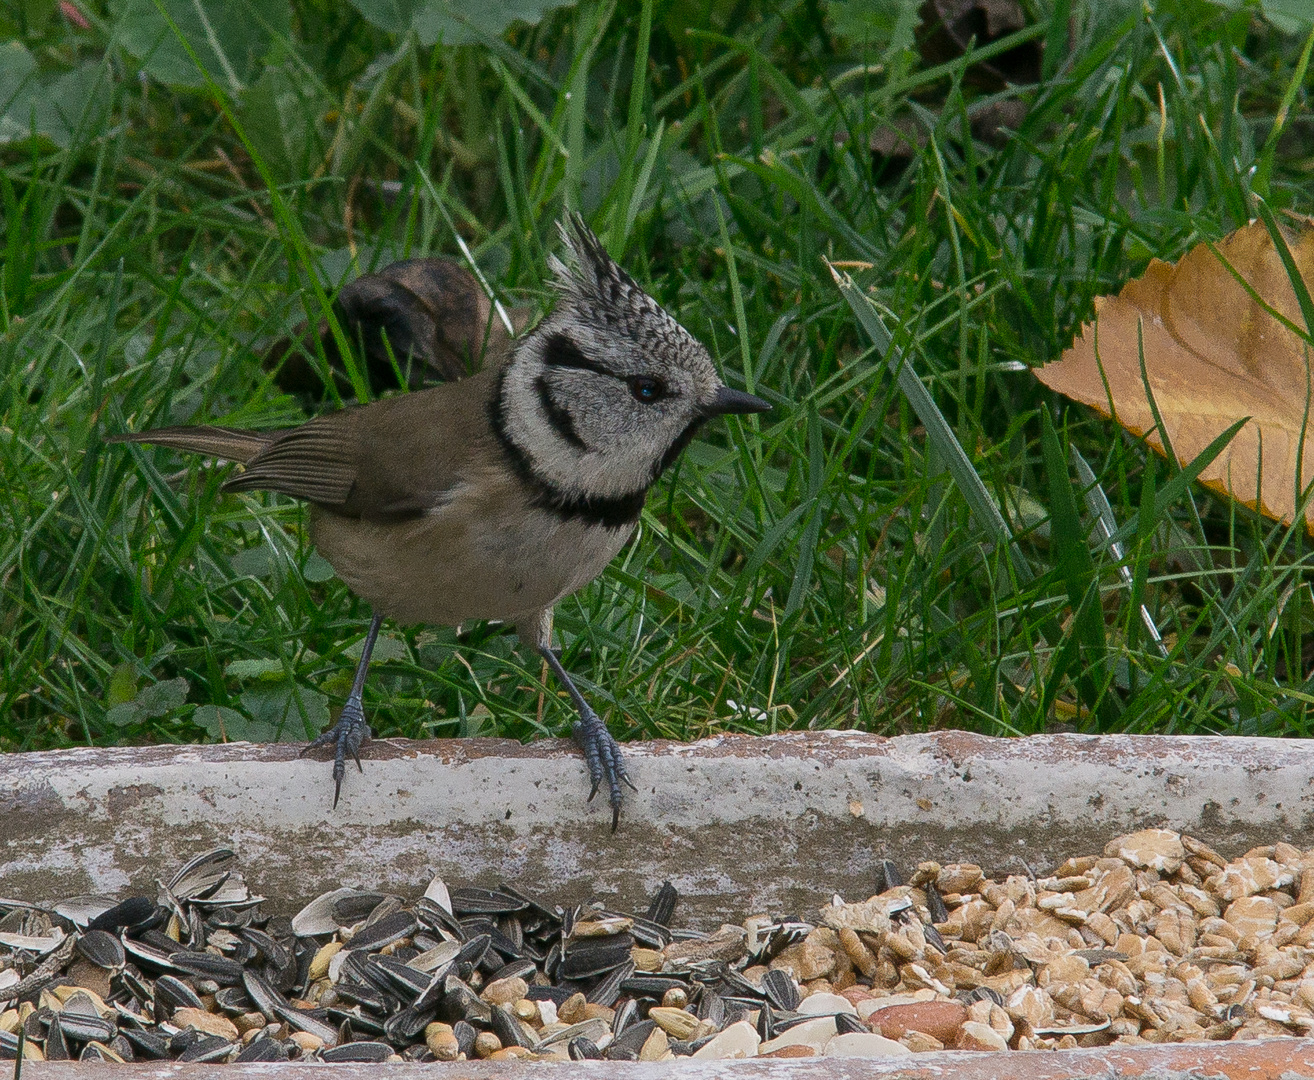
x: 230, y: 444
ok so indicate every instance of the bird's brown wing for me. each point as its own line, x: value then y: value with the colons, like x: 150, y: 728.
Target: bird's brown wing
x: 386, y: 461
x: 390, y: 460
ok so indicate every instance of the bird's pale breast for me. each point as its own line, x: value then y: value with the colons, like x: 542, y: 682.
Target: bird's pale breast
x: 481, y: 555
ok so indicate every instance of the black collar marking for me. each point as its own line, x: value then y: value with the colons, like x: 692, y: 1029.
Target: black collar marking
x: 609, y: 511
x: 557, y: 417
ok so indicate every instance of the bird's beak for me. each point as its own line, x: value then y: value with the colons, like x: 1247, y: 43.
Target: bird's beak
x: 726, y: 401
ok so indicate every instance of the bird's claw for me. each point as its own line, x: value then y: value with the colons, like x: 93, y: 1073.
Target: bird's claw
x: 346, y: 737
x: 603, y: 757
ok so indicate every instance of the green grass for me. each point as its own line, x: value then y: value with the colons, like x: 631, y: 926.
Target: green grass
x: 817, y: 567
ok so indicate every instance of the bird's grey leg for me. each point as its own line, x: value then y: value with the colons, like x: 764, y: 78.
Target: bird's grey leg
x: 600, y: 750
x: 350, y: 730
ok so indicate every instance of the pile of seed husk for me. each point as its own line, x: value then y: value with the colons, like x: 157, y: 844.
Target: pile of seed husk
x: 1159, y: 939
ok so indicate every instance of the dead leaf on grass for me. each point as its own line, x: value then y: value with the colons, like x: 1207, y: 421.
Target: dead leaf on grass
x: 1213, y: 354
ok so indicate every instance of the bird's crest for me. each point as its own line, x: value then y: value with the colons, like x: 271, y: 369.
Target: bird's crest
x: 591, y: 274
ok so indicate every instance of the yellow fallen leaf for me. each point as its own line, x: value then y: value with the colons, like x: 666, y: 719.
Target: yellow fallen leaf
x: 1213, y: 354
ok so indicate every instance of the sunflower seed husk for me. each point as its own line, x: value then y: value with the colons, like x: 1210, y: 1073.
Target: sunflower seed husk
x: 99, y: 1052
x: 848, y: 1024
x: 357, y: 1019
x: 370, y: 1053
x: 582, y: 1048
x: 176, y: 994
x: 385, y: 931
x: 153, y: 959
x: 147, y: 1045
x: 133, y: 912
x: 101, y: 948
x: 263, y: 996
x: 262, y: 1049
x: 220, y: 969
x: 81, y: 911
x: 209, y: 1048
x: 401, y: 1028
x: 473, y: 901
x: 399, y: 978
x: 781, y: 990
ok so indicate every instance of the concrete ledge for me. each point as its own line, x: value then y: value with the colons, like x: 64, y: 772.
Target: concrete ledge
x: 738, y: 824
x: 1271, y: 1059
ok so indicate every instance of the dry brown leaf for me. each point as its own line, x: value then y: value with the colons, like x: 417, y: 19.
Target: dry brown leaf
x: 1213, y: 354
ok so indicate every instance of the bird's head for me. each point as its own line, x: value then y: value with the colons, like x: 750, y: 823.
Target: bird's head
x: 604, y: 394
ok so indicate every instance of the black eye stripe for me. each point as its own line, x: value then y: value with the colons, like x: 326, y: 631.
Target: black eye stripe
x: 564, y: 353
x: 561, y: 352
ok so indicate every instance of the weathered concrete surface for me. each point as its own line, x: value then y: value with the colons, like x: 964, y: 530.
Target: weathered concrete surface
x: 1272, y: 1059
x: 737, y: 823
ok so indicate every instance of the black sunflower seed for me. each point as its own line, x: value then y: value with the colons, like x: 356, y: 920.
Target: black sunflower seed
x: 369, y: 1053
x: 583, y: 1049
x: 208, y: 1049
x: 133, y: 912
x: 509, y: 1029
x: 630, y: 1041
x: 595, y: 956
x: 101, y: 948
x: 781, y: 990
x: 222, y: 970
x: 388, y: 930
x: 887, y: 876
x: 262, y: 1049
x: 662, y: 906
x: 147, y: 1045
x: 475, y: 901
x: 935, y: 904
x: 465, y: 1037
x: 609, y: 988
x: 176, y: 994
x: 80, y: 1028
x: 848, y: 1024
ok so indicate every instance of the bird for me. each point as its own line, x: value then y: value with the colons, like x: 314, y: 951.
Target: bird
x: 499, y: 494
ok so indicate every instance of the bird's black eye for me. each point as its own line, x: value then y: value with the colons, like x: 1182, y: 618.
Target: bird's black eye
x: 646, y: 389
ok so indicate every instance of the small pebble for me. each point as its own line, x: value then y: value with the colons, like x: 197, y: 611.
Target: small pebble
x: 486, y: 1044
x: 677, y: 1023
x: 739, y: 1040
x: 793, y: 1050
x: 571, y: 1011
x: 505, y: 991
x: 319, y: 966
x: 865, y: 1045
x: 306, y: 1041
x: 210, y: 1023
x: 975, y: 1035
x: 442, y: 1042
x: 815, y: 1033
